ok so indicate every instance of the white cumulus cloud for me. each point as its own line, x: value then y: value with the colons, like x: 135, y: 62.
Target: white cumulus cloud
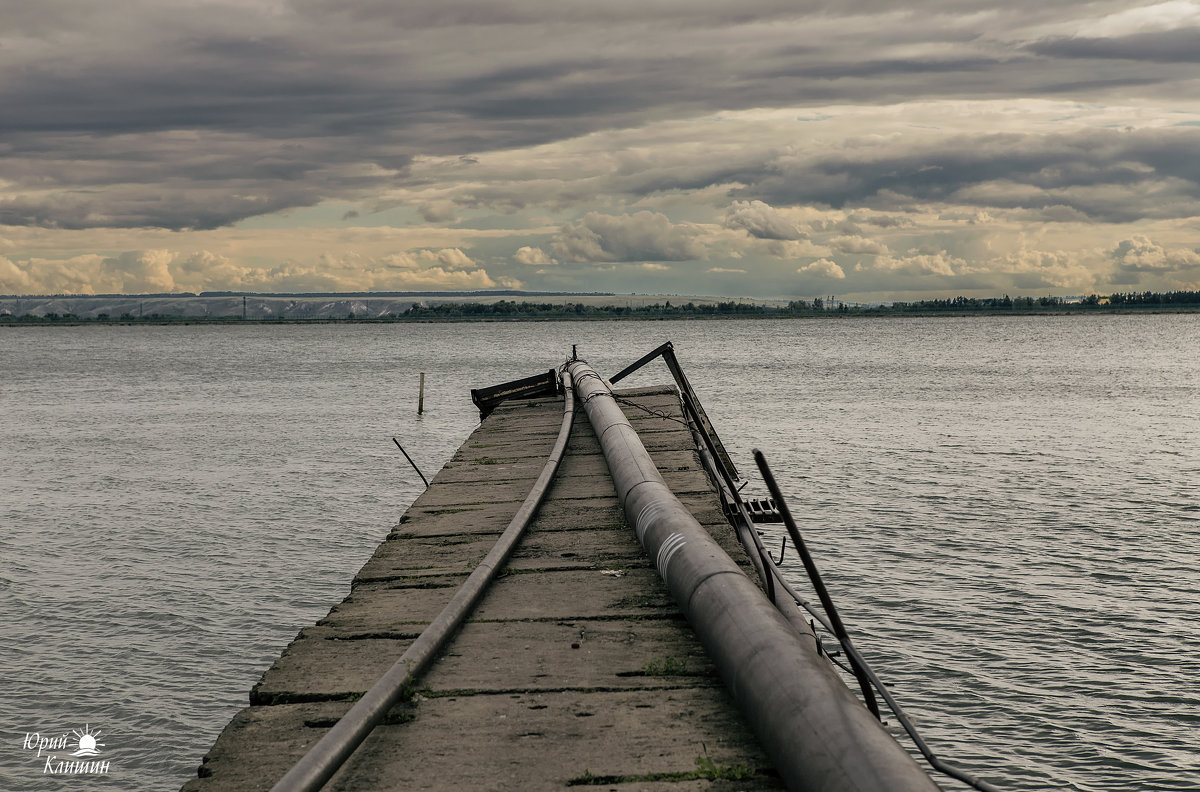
x: 141, y: 272
x: 913, y: 263
x: 647, y: 236
x: 437, y: 278
x: 762, y: 220
x: 858, y: 244
x: 1141, y: 254
x: 13, y: 278
x: 533, y: 257
x: 446, y: 259
x: 824, y: 268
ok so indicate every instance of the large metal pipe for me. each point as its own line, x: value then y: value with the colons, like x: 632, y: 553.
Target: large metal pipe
x: 816, y: 732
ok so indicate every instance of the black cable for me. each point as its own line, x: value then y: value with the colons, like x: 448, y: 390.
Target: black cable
x: 852, y: 653
x: 818, y: 584
x: 648, y: 410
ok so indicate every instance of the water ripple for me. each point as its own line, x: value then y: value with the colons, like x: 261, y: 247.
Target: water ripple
x: 1005, y: 509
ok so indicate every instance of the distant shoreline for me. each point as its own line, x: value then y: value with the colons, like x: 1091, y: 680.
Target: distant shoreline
x: 813, y: 316
x: 337, y: 308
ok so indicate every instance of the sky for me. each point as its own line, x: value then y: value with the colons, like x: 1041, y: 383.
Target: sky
x: 861, y: 149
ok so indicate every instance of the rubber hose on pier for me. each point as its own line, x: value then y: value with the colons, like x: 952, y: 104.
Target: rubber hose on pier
x: 337, y: 745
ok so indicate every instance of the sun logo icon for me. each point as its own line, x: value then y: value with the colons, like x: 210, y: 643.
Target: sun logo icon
x: 87, y: 742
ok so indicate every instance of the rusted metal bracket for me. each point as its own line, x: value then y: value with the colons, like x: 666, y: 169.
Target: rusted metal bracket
x: 487, y: 399
x: 667, y: 353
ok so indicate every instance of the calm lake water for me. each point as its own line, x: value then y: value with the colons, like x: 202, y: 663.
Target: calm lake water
x: 1006, y: 509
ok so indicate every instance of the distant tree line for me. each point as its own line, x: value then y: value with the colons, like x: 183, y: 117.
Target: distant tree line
x: 125, y: 318
x: 1153, y: 298
x: 513, y: 309
x: 1177, y: 299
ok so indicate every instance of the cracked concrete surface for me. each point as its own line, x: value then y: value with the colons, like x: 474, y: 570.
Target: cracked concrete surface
x: 575, y: 669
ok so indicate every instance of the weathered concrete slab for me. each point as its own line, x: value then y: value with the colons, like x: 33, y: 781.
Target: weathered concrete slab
x: 576, y: 594
x: 425, y: 557
x: 409, y: 557
x: 524, y: 594
x: 536, y: 741
x: 577, y: 654
x: 322, y: 665
x: 372, y: 608
x: 496, y: 657
x: 596, y: 549
x: 479, y: 518
x: 707, y: 511
x: 599, y: 513
x: 590, y: 467
x: 260, y: 744
x: 583, y: 443
x: 575, y: 668
x: 502, y: 427
x: 480, y: 493
x: 490, y: 469
x: 541, y: 741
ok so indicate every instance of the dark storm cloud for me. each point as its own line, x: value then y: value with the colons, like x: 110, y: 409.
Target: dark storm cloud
x: 198, y: 115
x: 191, y: 209
x: 1099, y: 174
x: 762, y: 221
x: 673, y: 13
x: 882, y: 68
x: 1170, y: 46
x: 197, y: 180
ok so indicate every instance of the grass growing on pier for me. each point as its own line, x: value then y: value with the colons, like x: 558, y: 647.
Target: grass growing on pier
x: 708, y: 769
x: 665, y: 666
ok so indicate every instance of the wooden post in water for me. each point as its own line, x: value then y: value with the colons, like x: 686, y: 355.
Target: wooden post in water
x: 421, y: 395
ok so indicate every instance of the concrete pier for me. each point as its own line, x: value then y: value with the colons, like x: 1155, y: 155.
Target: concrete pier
x: 575, y: 669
